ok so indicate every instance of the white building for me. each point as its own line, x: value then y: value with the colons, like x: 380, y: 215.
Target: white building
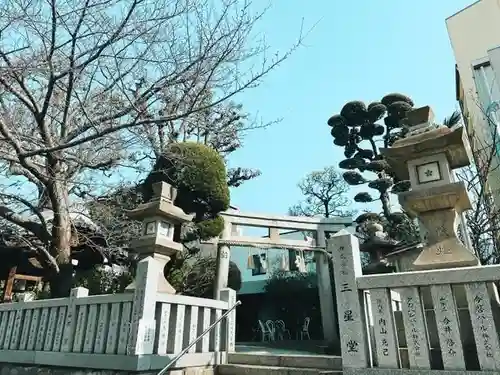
x: 258, y: 265
x: 475, y: 38
x: 265, y: 261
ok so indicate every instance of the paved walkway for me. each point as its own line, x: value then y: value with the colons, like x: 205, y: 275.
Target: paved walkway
x: 254, y: 349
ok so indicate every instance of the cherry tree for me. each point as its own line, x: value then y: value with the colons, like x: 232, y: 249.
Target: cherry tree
x: 83, y: 82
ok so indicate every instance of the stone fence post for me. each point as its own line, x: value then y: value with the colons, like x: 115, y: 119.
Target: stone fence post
x: 229, y: 324
x: 142, y: 324
x: 344, y: 248
x: 71, y: 318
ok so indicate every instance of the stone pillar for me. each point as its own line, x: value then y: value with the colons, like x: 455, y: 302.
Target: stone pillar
x: 223, y: 259
x: 71, y: 318
x: 325, y: 291
x: 354, y: 344
x: 143, y: 324
x: 229, y: 325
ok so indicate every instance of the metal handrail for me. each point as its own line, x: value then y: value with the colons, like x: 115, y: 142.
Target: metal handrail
x: 185, y: 350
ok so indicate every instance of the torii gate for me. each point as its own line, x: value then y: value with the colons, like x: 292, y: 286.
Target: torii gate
x: 320, y: 227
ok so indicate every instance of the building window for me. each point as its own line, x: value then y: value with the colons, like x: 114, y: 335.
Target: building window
x: 260, y: 265
x: 488, y: 94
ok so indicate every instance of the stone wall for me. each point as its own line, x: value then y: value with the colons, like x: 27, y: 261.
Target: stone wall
x: 13, y: 369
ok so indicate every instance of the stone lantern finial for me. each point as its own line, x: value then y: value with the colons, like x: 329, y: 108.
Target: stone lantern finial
x: 420, y: 117
x: 164, y: 191
x: 426, y: 157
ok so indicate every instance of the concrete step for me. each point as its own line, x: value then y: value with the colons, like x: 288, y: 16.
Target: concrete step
x: 323, y: 362
x: 233, y: 369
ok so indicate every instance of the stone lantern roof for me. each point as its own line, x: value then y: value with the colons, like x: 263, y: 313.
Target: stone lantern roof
x: 426, y: 139
x: 161, y: 205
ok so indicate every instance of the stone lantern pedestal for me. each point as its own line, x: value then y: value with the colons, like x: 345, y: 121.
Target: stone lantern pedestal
x: 437, y: 209
x: 159, y: 218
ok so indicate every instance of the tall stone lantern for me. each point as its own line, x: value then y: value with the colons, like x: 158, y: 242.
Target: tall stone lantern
x: 426, y: 157
x: 159, y: 216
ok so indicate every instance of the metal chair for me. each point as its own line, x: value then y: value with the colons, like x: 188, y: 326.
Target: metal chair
x: 282, y: 330
x: 272, y: 329
x: 305, y: 329
x: 265, y: 333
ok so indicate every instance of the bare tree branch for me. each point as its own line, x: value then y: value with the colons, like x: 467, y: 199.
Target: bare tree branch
x: 325, y: 194
x: 39, y: 229
x: 483, y: 221
x: 89, y: 90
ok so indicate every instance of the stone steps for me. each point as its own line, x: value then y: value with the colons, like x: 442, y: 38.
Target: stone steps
x: 271, y: 370
x: 280, y: 364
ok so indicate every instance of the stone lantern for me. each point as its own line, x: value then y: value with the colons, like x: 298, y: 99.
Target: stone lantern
x: 377, y: 245
x: 426, y: 157
x: 159, y: 216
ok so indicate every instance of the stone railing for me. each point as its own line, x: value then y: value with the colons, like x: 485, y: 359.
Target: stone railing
x: 78, y: 324
x: 142, y: 330
x: 446, y: 324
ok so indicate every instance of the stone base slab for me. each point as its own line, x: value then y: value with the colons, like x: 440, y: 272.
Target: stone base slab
x: 326, y: 362
x: 269, y: 370
x: 106, y: 364
x: 380, y: 371
x: 10, y: 369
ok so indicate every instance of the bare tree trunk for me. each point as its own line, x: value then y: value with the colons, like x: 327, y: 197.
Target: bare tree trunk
x: 384, y: 199
x: 60, y: 283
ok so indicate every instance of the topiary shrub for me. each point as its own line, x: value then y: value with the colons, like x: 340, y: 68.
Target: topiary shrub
x: 358, y: 131
x: 199, y: 174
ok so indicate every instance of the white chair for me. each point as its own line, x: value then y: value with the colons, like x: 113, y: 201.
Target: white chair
x: 265, y: 333
x: 272, y: 329
x: 304, y: 333
x: 282, y: 331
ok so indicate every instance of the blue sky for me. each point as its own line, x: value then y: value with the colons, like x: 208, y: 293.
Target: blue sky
x: 358, y: 50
